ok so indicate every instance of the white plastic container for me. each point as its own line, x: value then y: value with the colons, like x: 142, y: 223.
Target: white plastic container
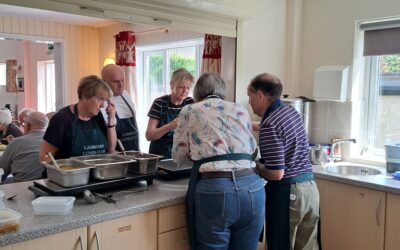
x: 9, y: 220
x: 53, y: 205
x: 2, y: 199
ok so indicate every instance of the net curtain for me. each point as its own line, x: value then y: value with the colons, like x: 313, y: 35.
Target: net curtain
x: 125, y: 54
x: 211, y: 62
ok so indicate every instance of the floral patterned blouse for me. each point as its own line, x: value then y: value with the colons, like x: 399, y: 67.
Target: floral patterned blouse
x: 213, y: 127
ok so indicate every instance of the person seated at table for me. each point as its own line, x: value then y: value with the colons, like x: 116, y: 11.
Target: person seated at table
x: 21, y: 157
x: 22, y: 115
x: 8, y: 130
x: 79, y: 129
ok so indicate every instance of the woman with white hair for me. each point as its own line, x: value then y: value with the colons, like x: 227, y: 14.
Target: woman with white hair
x: 225, y: 199
x: 8, y: 130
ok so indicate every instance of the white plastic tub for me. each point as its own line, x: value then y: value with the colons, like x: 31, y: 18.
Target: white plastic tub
x: 9, y: 220
x: 53, y: 205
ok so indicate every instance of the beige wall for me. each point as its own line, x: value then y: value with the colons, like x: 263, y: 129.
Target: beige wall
x: 261, y: 45
x: 328, y: 39
x: 81, y: 47
x: 328, y: 32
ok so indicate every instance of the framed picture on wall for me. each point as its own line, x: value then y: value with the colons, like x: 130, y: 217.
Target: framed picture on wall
x: 20, y: 84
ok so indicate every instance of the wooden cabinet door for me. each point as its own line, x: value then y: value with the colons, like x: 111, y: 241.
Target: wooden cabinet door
x: 392, y: 222
x: 69, y: 240
x: 136, y: 232
x: 351, y: 217
x: 170, y: 218
x: 174, y: 240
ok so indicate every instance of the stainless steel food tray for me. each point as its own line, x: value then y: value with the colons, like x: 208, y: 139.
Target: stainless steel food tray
x: 69, y: 178
x: 108, y: 166
x: 144, y: 163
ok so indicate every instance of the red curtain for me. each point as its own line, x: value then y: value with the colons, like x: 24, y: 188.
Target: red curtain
x: 125, y: 53
x: 212, y: 54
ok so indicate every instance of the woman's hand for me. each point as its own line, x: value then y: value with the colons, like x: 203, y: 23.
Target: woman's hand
x: 173, y: 124
x: 111, y: 111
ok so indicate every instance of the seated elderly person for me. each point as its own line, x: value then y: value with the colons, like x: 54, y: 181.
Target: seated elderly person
x: 21, y: 157
x: 22, y: 115
x: 8, y: 130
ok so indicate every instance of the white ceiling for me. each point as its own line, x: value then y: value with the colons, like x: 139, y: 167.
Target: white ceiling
x: 10, y: 10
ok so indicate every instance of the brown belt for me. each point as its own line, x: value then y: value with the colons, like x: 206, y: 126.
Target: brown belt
x: 227, y: 174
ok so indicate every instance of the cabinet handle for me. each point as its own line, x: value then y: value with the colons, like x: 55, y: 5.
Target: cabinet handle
x: 80, y: 242
x: 97, y: 240
x: 378, y: 205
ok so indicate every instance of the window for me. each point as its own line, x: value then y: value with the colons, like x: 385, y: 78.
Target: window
x: 381, y: 88
x: 155, y: 65
x: 383, y: 125
x: 3, y: 74
x: 46, y: 86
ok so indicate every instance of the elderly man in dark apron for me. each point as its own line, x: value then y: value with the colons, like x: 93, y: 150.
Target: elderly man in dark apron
x: 225, y: 198
x: 292, y: 198
x: 127, y: 129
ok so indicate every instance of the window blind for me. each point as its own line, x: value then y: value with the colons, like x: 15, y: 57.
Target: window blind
x: 381, y: 37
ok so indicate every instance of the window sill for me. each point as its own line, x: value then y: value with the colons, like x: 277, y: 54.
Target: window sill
x: 372, y: 160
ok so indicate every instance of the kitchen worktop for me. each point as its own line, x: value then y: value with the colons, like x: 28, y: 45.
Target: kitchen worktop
x: 382, y: 182
x: 159, y: 194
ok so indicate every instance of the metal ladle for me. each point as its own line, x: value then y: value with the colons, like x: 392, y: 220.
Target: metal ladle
x: 50, y: 155
x: 89, y: 196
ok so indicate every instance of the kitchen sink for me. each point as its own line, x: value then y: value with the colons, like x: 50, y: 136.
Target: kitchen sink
x: 351, y: 169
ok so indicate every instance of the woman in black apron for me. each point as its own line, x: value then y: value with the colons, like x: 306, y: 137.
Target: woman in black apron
x: 165, y: 110
x: 225, y: 199
x: 79, y: 129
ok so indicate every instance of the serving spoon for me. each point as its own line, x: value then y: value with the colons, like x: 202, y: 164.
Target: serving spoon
x: 50, y: 155
x: 121, y: 147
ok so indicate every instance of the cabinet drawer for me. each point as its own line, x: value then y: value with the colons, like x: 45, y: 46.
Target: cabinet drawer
x: 174, y: 240
x: 170, y: 218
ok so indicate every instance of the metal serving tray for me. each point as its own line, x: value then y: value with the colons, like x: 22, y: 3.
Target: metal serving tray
x: 69, y: 178
x: 107, y: 166
x: 144, y: 163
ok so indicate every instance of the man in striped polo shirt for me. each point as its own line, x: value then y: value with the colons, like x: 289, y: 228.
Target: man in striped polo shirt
x: 292, y: 197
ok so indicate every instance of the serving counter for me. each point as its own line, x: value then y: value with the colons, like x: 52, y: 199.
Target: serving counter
x: 160, y: 194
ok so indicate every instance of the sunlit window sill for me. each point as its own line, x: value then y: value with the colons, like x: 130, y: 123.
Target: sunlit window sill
x: 373, y: 160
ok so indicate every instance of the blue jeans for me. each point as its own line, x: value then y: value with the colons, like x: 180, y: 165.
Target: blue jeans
x: 229, y: 214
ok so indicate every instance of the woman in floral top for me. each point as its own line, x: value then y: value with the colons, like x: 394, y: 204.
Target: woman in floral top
x: 224, y: 191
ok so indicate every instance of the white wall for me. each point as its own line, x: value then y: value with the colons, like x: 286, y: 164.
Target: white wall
x: 261, y: 45
x: 328, y: 39
x: 328, y: 32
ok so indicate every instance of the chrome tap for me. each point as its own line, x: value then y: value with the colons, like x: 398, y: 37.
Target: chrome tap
x: 332, y: 157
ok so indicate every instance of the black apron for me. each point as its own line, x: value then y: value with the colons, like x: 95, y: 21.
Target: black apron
x: 277, y: 203
x: 192, y: 187
x: 163, y: 146
x: 87, y: 141
x: 127, y: 130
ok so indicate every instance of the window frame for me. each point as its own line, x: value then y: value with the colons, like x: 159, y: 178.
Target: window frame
x: 5, y: 74
x: 142, y: 80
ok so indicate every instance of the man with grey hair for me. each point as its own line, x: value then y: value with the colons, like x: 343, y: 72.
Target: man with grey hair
x: 21, y: 157
x: 126, y: 128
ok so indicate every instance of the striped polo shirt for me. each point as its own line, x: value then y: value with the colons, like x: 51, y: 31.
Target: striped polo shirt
x: 284, y: 143
x: 162, y: 104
